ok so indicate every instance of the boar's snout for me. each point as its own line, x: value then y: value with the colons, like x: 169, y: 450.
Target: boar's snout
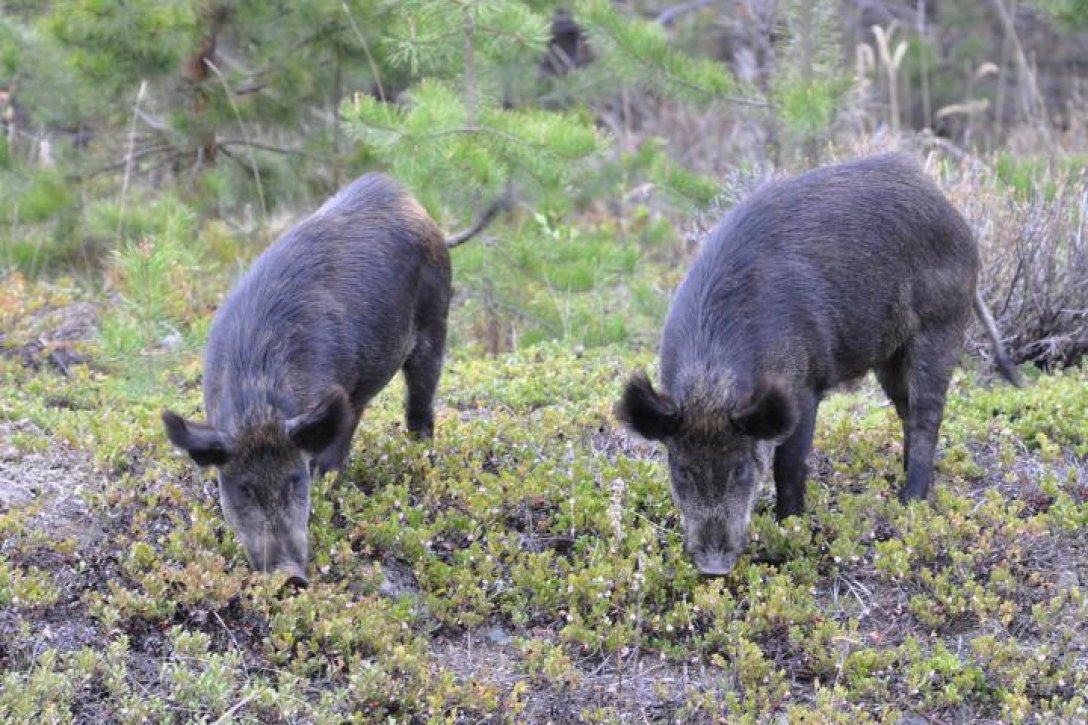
x: 283, y: 550
x: 287, y: 554
x: 716, y: 563
x: 714, y: 543
x: 296, y: 575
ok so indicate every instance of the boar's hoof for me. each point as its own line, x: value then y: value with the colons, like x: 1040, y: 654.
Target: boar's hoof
x: 297, y: 582
x: 717, y: 564
x: 296, y: 577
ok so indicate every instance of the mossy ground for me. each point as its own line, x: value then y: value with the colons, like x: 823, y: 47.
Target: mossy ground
x: 527, y: 564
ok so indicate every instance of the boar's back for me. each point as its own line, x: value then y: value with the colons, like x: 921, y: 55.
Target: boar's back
x: 824, y: 275
x: 334, y: 301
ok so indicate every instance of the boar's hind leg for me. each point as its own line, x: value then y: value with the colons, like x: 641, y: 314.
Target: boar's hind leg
x: 893, y: 378
x: 422, y: 370
x: 929, y: 362
x: 790, y: 469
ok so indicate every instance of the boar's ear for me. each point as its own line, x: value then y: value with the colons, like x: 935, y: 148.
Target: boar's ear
x: 315, y: 429
x: 769, y: 413
x: 646, y: 411
x: 204, y: 444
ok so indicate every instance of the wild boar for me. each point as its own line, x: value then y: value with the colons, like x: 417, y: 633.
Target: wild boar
x: 320, y: 323
x: 808, y: 283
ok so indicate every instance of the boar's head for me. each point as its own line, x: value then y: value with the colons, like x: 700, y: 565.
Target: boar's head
x: 718, y: 455
x: 264, y: 478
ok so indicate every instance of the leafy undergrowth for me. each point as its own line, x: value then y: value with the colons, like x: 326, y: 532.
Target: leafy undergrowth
x: 527, y: 563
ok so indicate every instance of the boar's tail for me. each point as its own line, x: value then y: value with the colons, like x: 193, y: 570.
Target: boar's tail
x: 504, y: 202
x: 1004, y: 365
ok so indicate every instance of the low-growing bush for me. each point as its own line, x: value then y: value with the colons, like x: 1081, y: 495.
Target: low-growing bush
x: 1033, y: 238
x: 529, y: 558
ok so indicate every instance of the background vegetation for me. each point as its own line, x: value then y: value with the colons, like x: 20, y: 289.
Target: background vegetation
x: 527, y: 564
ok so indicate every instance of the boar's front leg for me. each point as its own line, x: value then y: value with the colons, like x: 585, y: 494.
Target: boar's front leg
x: 336, y: 453
x: 929, y: 362
x: 790, y: 468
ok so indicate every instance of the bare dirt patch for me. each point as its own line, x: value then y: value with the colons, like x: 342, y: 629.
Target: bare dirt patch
x: 51, y: 485
x: 635, y: 685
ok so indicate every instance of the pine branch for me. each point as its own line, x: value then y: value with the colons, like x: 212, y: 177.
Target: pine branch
x: 640, y: 52
x: 478, y: 130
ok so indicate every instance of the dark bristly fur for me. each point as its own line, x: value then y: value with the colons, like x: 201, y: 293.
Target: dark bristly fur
x: 808, y: 283
x: 322, y: 321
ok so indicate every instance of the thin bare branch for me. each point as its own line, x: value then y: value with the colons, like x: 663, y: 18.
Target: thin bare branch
x: 669, y: 15
x: 366, y: 50
x: 267, y: 147
x: 1033, y: 99
x: 241, y: 124
x: 128, y: 158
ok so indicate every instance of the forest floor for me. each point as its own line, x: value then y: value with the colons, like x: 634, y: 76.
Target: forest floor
x: 527, y: 564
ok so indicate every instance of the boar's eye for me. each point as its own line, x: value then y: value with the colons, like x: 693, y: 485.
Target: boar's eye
x: 682, y: 473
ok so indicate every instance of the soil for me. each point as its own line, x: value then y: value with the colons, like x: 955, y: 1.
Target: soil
x: 50, y: 486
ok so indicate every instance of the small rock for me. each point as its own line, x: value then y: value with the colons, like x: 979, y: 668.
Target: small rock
x: 1067, y: 579
x: 910, y: 718
x: 63, y: 358
x: 398, y: 580
x: 498, y: 635
x: 171, y: 341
